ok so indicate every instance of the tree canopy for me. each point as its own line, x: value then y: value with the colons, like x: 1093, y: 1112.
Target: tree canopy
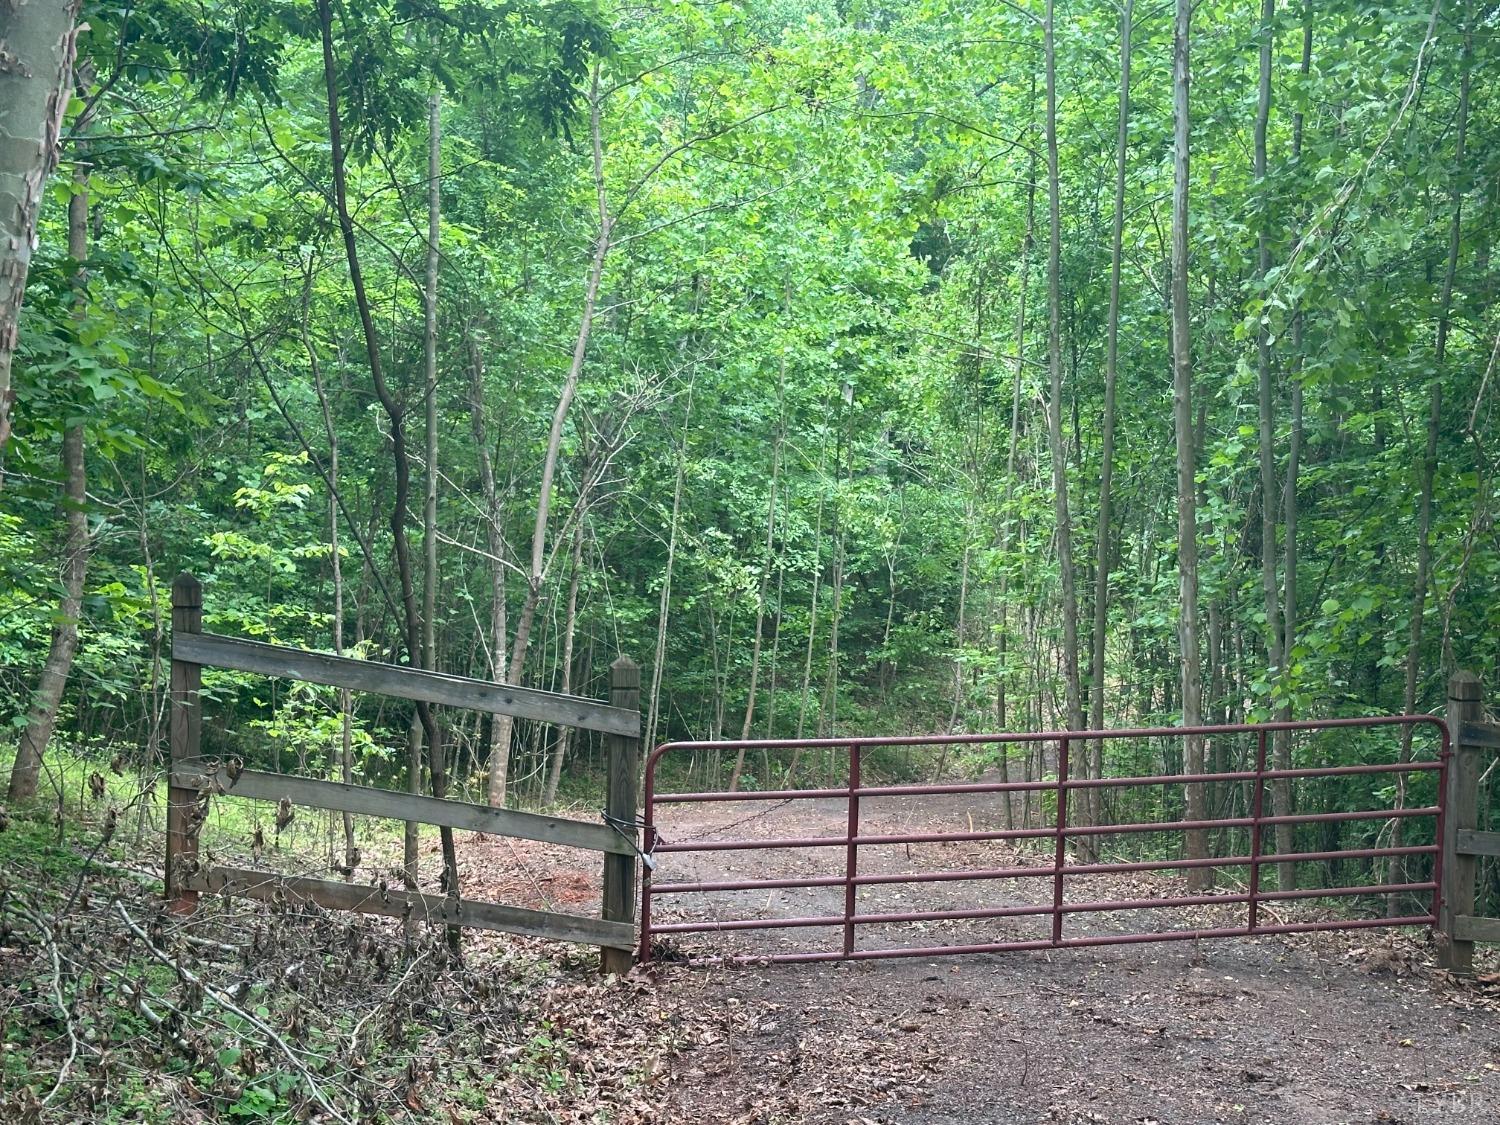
x: 796, y: 348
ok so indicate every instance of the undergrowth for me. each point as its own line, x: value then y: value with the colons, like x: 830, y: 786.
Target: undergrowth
x: 114, y: 1009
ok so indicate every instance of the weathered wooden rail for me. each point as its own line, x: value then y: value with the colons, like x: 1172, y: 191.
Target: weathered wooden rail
x: 193, y: 775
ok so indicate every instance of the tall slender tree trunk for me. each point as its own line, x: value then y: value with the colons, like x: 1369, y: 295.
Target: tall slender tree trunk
x: 494, y: 537
x: 1264, y: 382
x: 765, y: 570
x: 1281, y: 788
x: 1008, y: 520
x: 430, y: 372
x: 410, y: 843
x: 812, y: 627
x: 37, y: 43
x: 960, y: 626
x: 1430, y: 452
x: 772, y: 692
x: 570, y: 628
x: 760, y: 611
x: 1281, y: 741
x: 716, y: 696
x: 41, y: 718
x: 1218, y: 749
x: 395, y: 413
x: 336, y: 562
x: 975, y: 428
x: 500, y: 765
x: 887, y: 669
x: 1102, y: 537
x: 436, y: 750
x: 828, y: 707
x: 663, y: 610
x: 1196, y: 842
x: 664, y: 602
x: 1066, y: 567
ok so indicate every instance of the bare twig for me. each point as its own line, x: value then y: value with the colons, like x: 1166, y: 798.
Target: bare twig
x: 45, y: 930
x: 394, y: 992
x: 229, y: 1005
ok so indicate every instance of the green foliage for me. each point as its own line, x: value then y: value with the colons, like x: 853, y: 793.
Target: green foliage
x: 824, y: 219
x: 807, y: 447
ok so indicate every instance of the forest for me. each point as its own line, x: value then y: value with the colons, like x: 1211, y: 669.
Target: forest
x: 857, y: 368
x: 854, y: 367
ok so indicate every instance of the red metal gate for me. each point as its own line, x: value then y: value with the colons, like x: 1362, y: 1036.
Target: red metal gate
x: 1059, y: 834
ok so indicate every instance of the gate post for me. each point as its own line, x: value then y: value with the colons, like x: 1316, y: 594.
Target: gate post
x: 851, y: 849
x: 186, y: 729
x: 620, y: 807
x: 1461, y: 814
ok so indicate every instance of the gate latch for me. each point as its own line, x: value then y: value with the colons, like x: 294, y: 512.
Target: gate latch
x: 627, y: 830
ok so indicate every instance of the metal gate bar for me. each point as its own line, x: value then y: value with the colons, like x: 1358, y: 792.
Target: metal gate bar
x: 1061, y: 831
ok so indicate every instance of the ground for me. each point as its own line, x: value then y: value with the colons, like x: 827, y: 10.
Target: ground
x: 1256, y: 1032
x: 112, y: 1010
x: 1316, y: 1028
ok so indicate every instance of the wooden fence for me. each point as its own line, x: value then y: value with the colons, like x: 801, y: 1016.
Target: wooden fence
x: 193, y: 775
x: 1475, y: 743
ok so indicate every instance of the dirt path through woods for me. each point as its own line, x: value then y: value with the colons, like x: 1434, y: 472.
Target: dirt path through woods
x: 1317, y: 1028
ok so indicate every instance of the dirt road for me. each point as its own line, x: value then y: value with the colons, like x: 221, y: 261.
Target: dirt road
x: 1318, y: 1028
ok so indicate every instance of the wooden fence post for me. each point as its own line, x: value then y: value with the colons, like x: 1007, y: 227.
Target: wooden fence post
x: 186, y: 743
x: 620, y: 807
x: 1461, y: 815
